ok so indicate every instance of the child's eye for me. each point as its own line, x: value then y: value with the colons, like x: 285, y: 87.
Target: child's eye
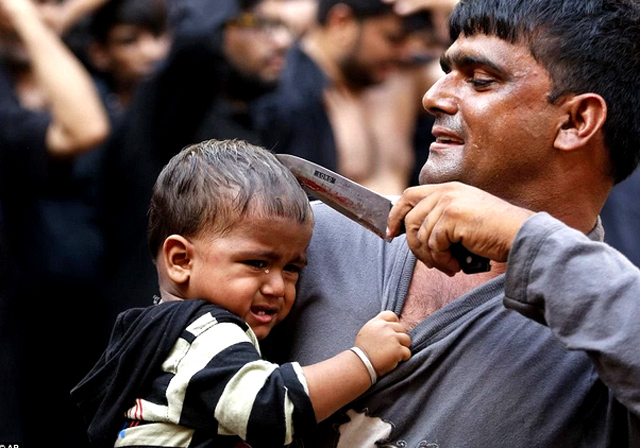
x: 258, y: 264
x: 293, y: 268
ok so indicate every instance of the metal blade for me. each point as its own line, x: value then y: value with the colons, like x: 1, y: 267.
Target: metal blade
x: 362, y: 205
x: 356, y: 202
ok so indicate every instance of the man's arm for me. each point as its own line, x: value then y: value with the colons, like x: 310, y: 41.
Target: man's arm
x: 585, y: 291
x: 78, y: 118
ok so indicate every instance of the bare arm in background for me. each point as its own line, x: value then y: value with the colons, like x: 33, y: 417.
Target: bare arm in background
x: 78, y: 118
x: 64, y: 15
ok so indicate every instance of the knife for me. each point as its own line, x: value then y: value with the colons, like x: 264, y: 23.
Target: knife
x: 364, y: 206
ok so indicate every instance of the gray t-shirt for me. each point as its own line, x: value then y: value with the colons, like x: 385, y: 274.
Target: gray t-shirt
x: 481, y: 375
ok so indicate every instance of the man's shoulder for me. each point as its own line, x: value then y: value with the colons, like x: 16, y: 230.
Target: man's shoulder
x: 330, y: 221
x: 336, y: 234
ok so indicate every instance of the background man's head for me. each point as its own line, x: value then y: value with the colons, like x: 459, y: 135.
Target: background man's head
x: 368, y: 38
x: 129, y: 39
x: 255, y: 44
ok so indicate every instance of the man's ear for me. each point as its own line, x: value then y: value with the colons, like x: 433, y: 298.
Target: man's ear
x: 177, y: 255
x: 584, y: 116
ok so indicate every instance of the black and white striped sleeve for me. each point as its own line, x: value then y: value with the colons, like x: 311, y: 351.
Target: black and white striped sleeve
x: 221, y: 383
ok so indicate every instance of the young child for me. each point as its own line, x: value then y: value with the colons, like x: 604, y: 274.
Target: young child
x: 228, y: 228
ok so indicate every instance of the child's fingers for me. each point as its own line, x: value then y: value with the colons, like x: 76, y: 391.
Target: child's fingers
x: 398, y: 327
x: 406, y: 353
x: 404, y: 339
x: 388, y: 316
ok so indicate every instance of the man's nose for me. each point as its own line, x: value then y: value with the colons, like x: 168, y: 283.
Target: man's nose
x: 282, y: 37
x: 154, y: 48
x: 440, y: 98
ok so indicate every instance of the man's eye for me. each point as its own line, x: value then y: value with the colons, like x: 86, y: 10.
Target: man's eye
x: 479, y: 83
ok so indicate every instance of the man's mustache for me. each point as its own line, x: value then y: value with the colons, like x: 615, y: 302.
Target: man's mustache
x: 451, y: 123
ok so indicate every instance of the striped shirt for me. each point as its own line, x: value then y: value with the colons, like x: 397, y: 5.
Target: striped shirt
x: 214, y: 389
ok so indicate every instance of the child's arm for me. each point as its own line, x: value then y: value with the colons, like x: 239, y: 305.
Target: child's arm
x: 339, y: 380
x: 218, y: 381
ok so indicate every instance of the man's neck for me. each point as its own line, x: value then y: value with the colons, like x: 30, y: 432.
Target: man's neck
x: 431, y: 290
x: 315, y: 44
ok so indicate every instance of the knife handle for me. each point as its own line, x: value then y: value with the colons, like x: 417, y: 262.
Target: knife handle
x: 470, y: 263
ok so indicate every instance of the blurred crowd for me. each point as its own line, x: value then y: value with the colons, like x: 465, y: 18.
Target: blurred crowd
x: 97, y: 95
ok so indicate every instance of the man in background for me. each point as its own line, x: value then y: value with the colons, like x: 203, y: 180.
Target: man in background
x: 347, y: 100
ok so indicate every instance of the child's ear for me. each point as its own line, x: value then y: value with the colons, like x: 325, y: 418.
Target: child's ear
x: 177, y: 255
x: 584, y: 117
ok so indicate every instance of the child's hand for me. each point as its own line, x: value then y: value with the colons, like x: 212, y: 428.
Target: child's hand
x: 385, y: 341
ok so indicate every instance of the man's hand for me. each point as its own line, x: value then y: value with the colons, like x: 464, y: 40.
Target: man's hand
x: 436, y: 216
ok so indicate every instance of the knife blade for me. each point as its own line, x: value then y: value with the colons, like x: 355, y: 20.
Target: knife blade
x: 364, y: 206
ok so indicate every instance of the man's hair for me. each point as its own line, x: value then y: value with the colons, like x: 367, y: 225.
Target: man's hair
x: 214, y: 184
x: 361, y: 8
x: 149, y: 14
x: 587, y: 46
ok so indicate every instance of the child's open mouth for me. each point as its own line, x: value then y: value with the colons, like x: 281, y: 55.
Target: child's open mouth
x: 263, y: 314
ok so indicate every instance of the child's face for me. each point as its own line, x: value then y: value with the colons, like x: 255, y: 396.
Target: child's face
x: 252, y: 270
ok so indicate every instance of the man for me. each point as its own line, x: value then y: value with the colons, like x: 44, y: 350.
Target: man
x: 537, y: 109
x: 224, y: 54
x: 128, y: 40
x: 51, y: 121
x: 327, y: 106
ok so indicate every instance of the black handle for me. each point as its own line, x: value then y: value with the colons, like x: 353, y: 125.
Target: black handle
x: 470, y: 263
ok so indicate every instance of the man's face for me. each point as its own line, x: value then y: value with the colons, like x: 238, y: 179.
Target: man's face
x: 376, y: 52
x: 256, y: 44
x: 494, y: 126
x: 131, y: 52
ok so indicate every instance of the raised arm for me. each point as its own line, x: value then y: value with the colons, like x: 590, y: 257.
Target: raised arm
x: 64, y: 15
x: 78, y: 118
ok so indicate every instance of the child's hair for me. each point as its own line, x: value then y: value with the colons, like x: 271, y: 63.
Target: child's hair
x: 214, y: 184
